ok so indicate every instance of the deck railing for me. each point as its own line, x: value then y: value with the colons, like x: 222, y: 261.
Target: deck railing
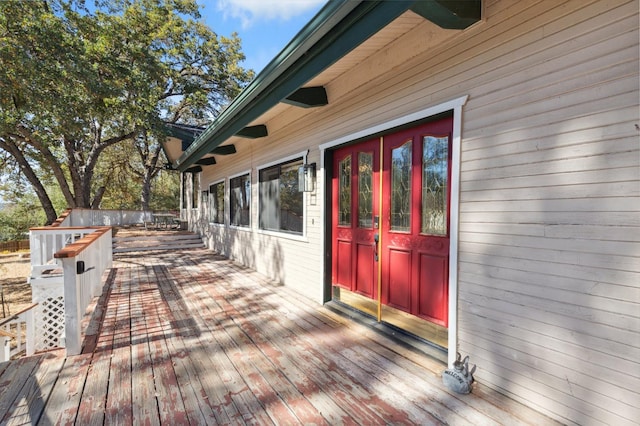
x: 67, y: 264
x: 16, y: 334
x: 89, y: 217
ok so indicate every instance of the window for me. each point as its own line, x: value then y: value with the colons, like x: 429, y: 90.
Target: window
x: 240, y: 200
x: 195, y: 188
x: 185, y: 202
x: 281, y: 204
x: 365, y: 190
x: 216, y: 200
x: 401, y: 188
x: 344, y: 199
x: 435, y: 166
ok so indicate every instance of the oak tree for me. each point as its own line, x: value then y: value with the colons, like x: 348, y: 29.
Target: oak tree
x: 77, y: 78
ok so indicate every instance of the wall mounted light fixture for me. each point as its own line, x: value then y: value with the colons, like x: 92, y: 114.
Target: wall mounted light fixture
x: 307, y: 177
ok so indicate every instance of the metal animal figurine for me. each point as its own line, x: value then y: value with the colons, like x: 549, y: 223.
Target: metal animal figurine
x: 459, y: 378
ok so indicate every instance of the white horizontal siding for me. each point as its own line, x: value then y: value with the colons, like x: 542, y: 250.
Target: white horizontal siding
x: 550, y: 187
x: 550, y: 195
x: 283, y: 258
x: 549, y: 250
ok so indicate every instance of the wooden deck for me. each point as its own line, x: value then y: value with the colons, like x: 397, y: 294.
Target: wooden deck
x: 190, y: 338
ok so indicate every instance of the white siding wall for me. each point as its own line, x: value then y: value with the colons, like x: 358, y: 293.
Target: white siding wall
x: 290, y: 260
x: 550, y: 231
x: 549, y: 289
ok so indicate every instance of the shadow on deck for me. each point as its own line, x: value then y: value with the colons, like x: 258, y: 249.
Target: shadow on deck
x: 188, y: 337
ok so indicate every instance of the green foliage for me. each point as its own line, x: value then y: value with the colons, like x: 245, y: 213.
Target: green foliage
x: 16, y: 219
x: 75, y: 81
x: 166, y: 192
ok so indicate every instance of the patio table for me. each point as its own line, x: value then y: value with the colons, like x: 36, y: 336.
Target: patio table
x: 163, y: 219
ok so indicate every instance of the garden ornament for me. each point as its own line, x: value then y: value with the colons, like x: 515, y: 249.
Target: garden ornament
x: 459, y: 378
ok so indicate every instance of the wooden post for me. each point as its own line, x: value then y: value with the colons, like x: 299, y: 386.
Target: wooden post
x: 72, y: 307
x: 5, y: 348
x: 31, y: 332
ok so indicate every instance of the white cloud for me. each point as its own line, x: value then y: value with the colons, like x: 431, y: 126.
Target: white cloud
x: 251, y: 11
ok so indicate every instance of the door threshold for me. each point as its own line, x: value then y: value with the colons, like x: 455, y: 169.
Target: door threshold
x: 403, y: 337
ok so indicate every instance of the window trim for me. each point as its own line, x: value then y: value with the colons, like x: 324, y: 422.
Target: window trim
x: 233, y: 176
x: 297, y: 237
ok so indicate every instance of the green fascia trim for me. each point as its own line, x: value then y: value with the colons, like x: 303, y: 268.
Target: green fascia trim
x: 449, y: 14
x: 338, y: 28
x: 310, y: 52
x: 184, y: 133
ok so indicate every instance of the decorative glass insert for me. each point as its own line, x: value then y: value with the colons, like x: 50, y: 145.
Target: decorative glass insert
x: 365, y: 190
x: 435, y: 159
x: 240, y: 200
x: 216, y: 202
x: 344, y: 197
x: 280, y: 202
x: 401, y: 188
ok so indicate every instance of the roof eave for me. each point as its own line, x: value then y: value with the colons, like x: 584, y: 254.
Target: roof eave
x: 310, y: 52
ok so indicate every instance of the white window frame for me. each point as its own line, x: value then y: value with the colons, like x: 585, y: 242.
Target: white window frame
x: 286, y: 235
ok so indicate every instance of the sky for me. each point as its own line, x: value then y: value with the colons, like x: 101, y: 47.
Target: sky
x: 264, y: 26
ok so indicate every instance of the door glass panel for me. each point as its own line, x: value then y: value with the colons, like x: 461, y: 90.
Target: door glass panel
x: 344, y: 202
x: 435, y: 154
x: 365, y: 190
x: 401, y: 188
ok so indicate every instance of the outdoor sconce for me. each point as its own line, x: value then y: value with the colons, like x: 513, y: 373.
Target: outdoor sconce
x: 307, y: 177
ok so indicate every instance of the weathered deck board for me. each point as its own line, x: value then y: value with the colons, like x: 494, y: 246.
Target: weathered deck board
x: 12, y: 383
x: 331, y: 374
x: 191, y: 338
x: 29, y: 406
x: 143, y: 317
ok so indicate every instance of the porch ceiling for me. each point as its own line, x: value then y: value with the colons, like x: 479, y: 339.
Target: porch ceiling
x: 341, y: 36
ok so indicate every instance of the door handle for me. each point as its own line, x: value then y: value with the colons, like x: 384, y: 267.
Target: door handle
x: 376, y: 238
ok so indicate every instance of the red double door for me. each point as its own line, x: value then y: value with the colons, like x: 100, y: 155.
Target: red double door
x: 391, y: 227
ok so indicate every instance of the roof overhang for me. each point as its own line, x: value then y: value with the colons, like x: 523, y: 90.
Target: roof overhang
x: 336, y: 30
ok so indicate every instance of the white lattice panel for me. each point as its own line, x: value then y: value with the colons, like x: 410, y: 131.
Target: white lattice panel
x: 49, y: 314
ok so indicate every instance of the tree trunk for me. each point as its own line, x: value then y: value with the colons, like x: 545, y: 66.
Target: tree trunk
x: 145, y: 195
x: 150, y: 162
x: 25, y: 168
x: 50, y: 161
x: 97, y: 199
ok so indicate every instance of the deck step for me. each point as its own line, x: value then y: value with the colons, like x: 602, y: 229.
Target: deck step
x: 157, y: 242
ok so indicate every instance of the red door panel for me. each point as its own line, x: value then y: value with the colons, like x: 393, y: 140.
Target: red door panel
x: 355, y: 202
x: 399, y: 288
x: 366, y: 274
x: 343, y: 264
x: 415, y: 218
x: 432, y: 290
